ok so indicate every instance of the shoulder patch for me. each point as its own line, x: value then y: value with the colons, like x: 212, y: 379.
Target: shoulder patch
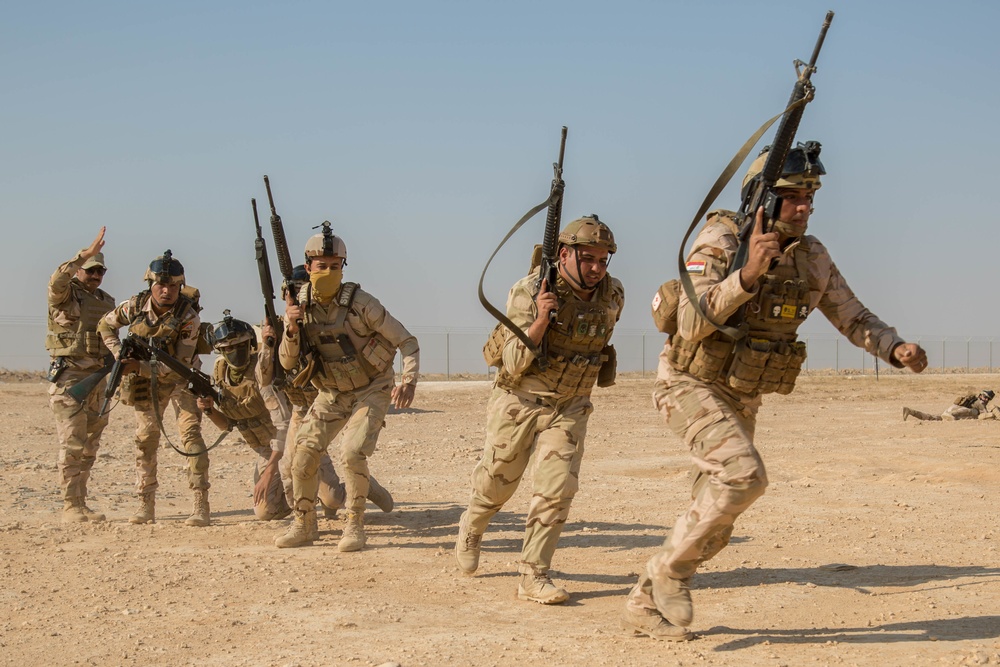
x: 697, y: 268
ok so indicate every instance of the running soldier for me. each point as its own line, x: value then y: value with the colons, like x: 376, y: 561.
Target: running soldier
x: 164, y: 313
x: 545, y: 409
x: 76, y: 304
x: 709, y: 388
x: 353, y: 340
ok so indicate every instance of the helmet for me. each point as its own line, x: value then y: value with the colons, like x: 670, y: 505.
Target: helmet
x: 801, y: 170
x: 234, y: 339
x: 165, y: 269
x: 588, y: 230
x: 987, y: 396
x: 326, y: 244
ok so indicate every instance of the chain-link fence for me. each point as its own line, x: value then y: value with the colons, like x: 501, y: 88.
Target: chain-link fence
x: 457, y: 352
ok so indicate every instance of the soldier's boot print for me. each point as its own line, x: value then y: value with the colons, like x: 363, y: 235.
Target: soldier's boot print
x: 147, y: 509
x: 73, y: 510
x: 467, y: 546
x: 200, y: 513
x: 923, y: 416
x: 379, y: 495
x: 353, y: 538
x: 649, y: 623
x: 302, y: 532
x: 538, y: 587
x: 672, y: 598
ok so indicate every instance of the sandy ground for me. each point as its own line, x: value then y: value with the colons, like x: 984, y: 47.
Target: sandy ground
x: 876, y: 544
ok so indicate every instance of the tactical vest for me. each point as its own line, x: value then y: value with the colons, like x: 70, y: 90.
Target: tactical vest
x: 299, y: 396
x: 135, y: 389
x: 575, y: 346
x: 247, y: 410
x: 348, y: 361
x: 769, y: 358
x: 79, y: 339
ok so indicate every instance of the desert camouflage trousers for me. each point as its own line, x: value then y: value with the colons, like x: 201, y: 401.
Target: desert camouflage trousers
x: 358, y: 416
x: 147, y: 438
x: 728, y: 472
x: 78, y: 429
x: 289, y: 417
x: 515, y: 427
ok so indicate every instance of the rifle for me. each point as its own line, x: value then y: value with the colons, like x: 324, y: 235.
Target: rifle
x: 81, y: 390
x: 128, y: 351
x: 197, y: 382
x: 267, y: 289
x: 288, y: 287
x: 549, y: 270
x: 762, y: 192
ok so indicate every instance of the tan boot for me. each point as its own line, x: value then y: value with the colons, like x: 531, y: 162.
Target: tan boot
x: 353, y: 538
x: 302, y: 532
x: 91, y: 514
x: 73, y: 511
x: 201, y: 514
x: 673, y: 599
x: 467, y: 546
x: 379, y: 495
x: 538, y: 587
x: 649, y: 623
x: 147, y: 509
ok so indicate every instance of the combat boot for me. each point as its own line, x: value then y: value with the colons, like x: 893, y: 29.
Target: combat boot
x: 302, y: 532
x: 673, y: 599
x: 200, y: 515
x: 353, y: 538
x: 379, y: 495
x: 467, y: 546
x: 91, y: 514
x: 649, y: 623
x: 922, y: 416
x: 538, y: 587
x: 147, y: 509
x: 73, y: 511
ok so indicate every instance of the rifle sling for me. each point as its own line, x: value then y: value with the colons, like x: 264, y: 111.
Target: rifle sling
x: 490, y: 308
x: 153, y: 384
x: 720, y: 184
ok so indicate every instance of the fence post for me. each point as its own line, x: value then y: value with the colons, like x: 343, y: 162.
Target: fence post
x: 644, y: 354
x: 944, y: 343
x: 447, y: 355
x: 837, y: 355
x: 968, y: 364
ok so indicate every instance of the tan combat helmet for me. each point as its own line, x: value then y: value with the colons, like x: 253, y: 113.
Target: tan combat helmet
x: 801, y: 170
x: 588, y: 231
x: 165, y: 270
x: 326, y: 244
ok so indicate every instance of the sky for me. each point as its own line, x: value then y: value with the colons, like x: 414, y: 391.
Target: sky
x: 423, y: 131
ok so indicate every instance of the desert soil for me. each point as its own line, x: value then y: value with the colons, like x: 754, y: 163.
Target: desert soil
x: 875, y: 544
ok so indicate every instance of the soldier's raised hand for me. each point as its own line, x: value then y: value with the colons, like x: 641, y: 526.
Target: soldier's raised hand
x: 96, y: 246
x: 763, y: 249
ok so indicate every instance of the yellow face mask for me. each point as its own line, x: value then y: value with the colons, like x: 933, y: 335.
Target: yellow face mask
x: 326, y: 283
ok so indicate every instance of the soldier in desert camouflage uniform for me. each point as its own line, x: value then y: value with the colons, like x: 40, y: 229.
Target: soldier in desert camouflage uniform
x: 969, y: 406
x: 709, y: 388
x: 353, y: 340
x: 165, y: 313
x: 545, y: 411
x: 76, y: 304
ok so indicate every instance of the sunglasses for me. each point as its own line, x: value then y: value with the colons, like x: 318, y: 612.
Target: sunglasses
x: 99, y: 270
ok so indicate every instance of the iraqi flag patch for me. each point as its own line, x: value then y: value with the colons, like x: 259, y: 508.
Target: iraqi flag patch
x: 697, y: 268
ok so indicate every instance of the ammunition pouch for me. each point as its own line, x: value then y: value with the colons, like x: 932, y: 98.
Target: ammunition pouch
x: 135, y: 391
x: 609, y: 369
x: 755, y: 366
x: 344, y: 374
x: 493, y: 349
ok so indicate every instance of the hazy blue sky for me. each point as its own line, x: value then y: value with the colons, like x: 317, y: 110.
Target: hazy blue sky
x: 423, y: 130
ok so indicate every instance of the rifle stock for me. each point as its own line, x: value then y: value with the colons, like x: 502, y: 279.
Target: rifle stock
x: 82, y: 389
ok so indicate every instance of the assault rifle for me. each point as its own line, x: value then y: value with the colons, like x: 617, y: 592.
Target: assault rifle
x: 197, y: 382
x: 549, y: 270
x: 267, y: 289
x: 762, y: 192
x: 81, y: 390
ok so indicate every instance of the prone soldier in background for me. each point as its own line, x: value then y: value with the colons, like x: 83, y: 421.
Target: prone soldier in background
x: 968, y: 406
x: 353, y: 340
x: 169, y: 317
x: 75, y: 306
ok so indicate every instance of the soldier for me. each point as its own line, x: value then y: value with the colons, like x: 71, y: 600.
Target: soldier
x: 545, y: 410
x: 164, y: 313
x: 76, y: 304
x: 969, y: 406
x: 238, y: 374
x: 709, y: 388
x: 353, y: 340
x: 289, y: 405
